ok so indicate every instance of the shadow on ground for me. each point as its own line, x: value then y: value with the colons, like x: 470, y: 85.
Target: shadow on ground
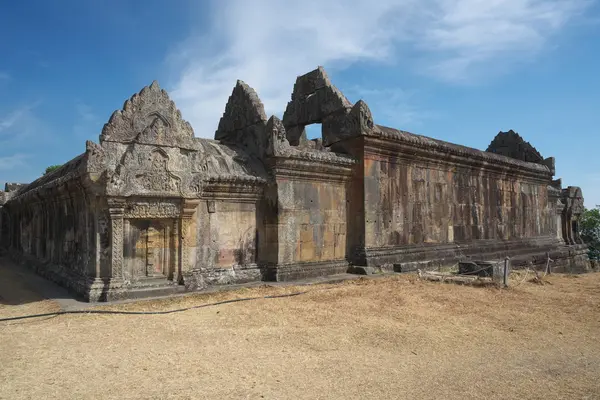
x: 20, y: 285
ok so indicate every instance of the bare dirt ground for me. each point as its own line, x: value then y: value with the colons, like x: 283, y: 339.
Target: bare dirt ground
x: 393, y: 337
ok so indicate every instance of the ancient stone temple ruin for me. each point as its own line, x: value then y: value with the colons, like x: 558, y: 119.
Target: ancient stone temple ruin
x: 153, y: 209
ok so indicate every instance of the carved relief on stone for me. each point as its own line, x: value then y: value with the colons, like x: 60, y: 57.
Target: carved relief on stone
x: 103, y: 230
x: 149, y: 117
x: 114, y: 183
x: 158, y: 129
x: 159, y: 182
x: 357, y: 121
x: 158, y: 160
x: 277, y: 141
x: 117, y: 247
x: 152, y: 210
x: 115, y: 209
x: 196, y: 184
x: 95, y: 156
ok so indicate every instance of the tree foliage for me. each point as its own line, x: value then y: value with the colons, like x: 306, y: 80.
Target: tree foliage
x: 590, y: 231
x: 52, y: 168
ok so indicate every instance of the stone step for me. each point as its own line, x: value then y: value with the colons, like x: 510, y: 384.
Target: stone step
x: 154, y: 282
x: 159, y: 291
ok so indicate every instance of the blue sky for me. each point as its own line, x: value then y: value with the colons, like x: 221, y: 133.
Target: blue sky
x: 456, y: 70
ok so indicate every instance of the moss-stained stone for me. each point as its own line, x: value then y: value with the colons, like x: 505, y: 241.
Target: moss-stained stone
x: 152, y: 209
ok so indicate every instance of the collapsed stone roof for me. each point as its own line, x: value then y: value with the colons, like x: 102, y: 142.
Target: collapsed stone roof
x: 69, y: 171
x: 511, y: 144
x: 245, y: 139
x: 12, y: 186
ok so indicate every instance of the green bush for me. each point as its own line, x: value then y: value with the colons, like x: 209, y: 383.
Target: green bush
x: 52, y: 168
x: 590, y: 231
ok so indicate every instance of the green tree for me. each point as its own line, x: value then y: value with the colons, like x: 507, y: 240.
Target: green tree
x: 590, y: 231
x: 52, y: 168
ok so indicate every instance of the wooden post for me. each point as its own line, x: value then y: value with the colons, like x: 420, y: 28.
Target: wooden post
x: 548, y: 260
x: 506, y: 266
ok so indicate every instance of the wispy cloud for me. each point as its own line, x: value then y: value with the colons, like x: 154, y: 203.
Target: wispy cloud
x: 22, y: 117
x: 13, y: 161
x: 267, y: 43
x: 4, y: 76
x: 391, y: 105
x: 86, y: 121
x: 468, y: 37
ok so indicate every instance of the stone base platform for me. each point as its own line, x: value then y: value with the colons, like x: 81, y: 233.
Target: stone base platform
x: 523, y: 254
x: 290, y: 272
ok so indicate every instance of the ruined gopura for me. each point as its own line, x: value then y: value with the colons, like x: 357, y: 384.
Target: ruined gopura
x: 152, y: 209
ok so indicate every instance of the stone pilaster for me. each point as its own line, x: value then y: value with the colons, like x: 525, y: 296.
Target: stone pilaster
x: 116, y: 208
x: 188, y: 235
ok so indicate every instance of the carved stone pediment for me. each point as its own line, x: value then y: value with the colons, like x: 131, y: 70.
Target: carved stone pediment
x: 148, y: 170
x: 149, y: 117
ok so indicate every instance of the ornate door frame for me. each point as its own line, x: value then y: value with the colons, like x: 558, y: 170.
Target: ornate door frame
x: 121, y: 210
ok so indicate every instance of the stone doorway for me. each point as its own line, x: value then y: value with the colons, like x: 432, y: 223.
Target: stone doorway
x: 150, y: 249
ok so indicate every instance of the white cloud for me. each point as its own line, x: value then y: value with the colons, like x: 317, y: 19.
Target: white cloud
x: 21, y: 117
x: 13, y: 161
x: 23, y: 128
x: 389, y: 105
x: 267, y: 43
x: 86, y: 121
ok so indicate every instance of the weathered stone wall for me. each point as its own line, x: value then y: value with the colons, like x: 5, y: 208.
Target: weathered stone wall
x: 55, y: 225
x: 151, y: 209
x: 310, y: 227
x: 226, y: 234
x: 412, y: 203
x: 424, y: 201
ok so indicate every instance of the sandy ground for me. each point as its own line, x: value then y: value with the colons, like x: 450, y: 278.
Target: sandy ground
x: 393, y: 337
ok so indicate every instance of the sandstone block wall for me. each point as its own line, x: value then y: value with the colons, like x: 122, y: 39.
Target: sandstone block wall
x: 152, y: 209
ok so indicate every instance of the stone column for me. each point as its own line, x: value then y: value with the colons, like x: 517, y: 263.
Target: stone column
x: 569, y: 226
x: 176, y: 256
x: 188, y: 234
x: 116, y: 209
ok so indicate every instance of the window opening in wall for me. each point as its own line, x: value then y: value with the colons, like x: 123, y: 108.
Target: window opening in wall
x: 313, y: 131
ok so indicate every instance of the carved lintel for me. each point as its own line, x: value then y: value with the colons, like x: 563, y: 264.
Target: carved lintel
x: 153, y: 209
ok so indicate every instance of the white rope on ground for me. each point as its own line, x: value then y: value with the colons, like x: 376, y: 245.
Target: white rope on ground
x: 523, y: 280
x: 548, y: 261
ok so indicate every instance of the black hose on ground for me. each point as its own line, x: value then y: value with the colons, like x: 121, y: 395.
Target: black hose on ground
x: 63, y: 312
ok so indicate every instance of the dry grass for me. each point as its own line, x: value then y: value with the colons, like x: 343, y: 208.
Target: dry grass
x: 392, y: 337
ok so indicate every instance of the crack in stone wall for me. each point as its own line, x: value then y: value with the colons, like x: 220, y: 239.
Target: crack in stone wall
x: 260, y: 201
